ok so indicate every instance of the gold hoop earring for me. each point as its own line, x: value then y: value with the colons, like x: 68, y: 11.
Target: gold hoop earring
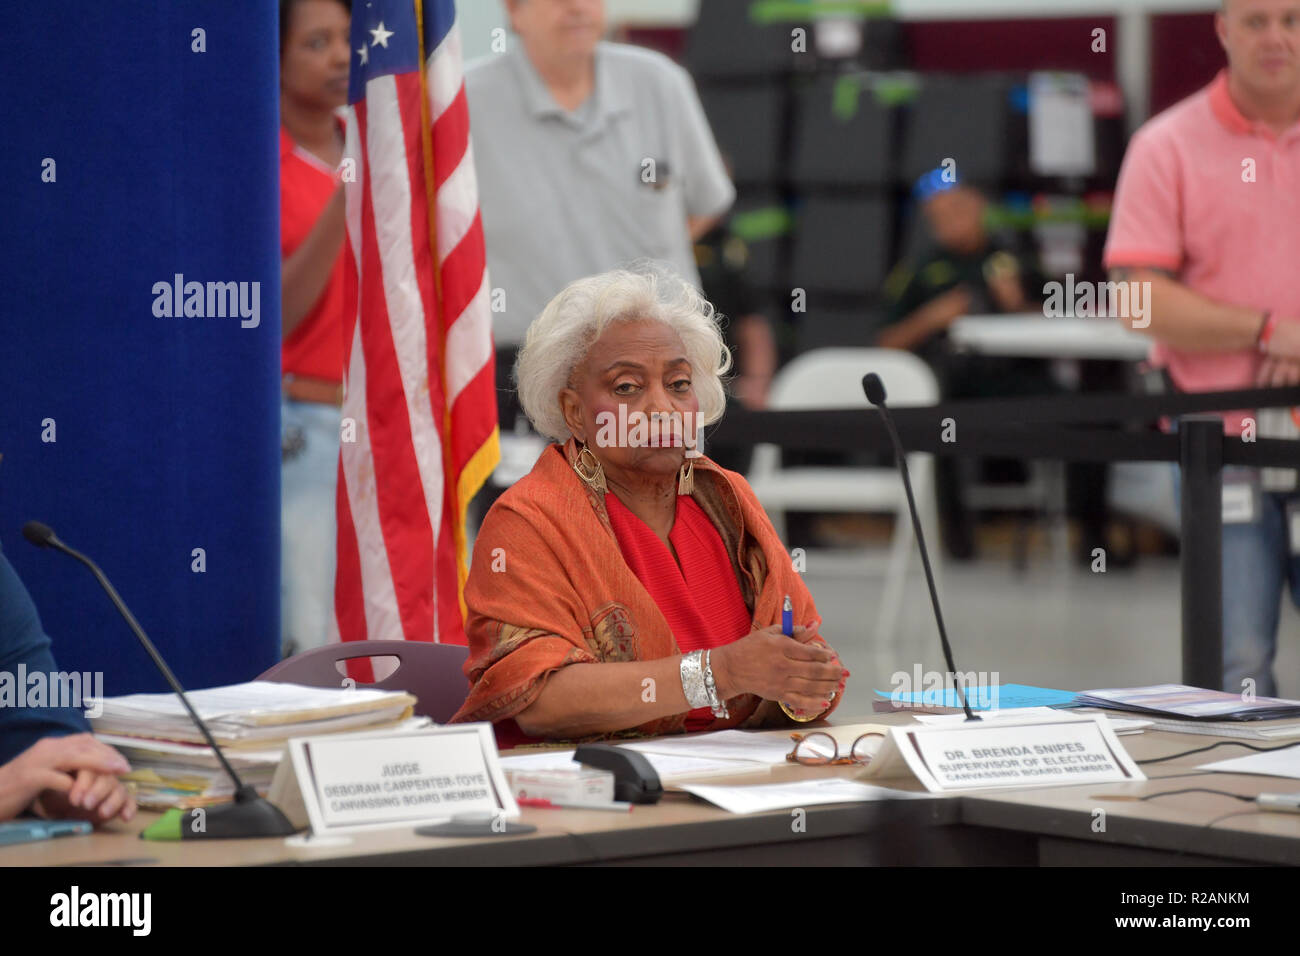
x: 594, y: 475
x: 686, y: 478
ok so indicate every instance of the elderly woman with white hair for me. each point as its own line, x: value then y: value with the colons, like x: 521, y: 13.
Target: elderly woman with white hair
x: 627, y: 585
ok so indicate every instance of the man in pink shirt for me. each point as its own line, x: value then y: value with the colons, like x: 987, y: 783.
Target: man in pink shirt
x: 1207, y: 210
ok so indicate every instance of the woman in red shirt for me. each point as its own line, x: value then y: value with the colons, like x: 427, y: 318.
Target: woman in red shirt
x: 626, y: 586
x: 314, y: 58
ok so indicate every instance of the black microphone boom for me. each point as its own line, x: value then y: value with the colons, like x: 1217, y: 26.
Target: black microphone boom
x: 875, y: 392
x: 250, y: 815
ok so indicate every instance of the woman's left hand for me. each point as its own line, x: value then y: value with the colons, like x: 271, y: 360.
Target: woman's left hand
x: 809, y: 634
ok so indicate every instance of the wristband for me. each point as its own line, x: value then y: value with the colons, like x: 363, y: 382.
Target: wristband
x: 1266, y: 329
x: 693, y: 687
x: 718, y: 706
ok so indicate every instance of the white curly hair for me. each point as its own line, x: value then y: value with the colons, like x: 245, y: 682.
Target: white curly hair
x: 559, y: 338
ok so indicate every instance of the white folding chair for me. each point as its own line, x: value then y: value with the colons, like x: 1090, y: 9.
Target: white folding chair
x: 832, y: 378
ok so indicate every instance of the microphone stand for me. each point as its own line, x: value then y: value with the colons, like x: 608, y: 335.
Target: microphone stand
x: 875, y: 391
x: 250, y: 815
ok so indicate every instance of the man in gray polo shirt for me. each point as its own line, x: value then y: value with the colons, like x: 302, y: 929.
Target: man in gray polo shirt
x: 589, y: 155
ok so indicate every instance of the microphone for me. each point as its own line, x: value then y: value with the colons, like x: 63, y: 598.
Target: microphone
x: 875, y: 391
x: 250, y: 815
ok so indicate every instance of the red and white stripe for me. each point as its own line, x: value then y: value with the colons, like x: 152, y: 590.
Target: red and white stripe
x: 419, y: 377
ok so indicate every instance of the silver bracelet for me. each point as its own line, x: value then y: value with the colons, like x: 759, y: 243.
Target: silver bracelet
x: 693, y: 680
x: 719, y: 706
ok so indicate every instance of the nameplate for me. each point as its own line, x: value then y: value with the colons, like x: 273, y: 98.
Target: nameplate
x: 368, y: 781
x: 1007, y: 753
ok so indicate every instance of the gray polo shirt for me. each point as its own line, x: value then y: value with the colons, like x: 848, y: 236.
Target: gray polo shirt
x: 564, y: 195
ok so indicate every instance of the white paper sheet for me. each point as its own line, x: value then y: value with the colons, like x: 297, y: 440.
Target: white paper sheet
x: 802, y: 793
x: 1274, y: 763
x: 670, y: 767
x: 721, y: 745
x: 1121, y: 725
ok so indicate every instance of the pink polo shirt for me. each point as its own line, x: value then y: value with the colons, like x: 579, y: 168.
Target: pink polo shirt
x: 1184, y: 203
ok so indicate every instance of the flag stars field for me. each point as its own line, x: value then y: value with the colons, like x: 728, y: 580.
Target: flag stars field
x: 380, y: 35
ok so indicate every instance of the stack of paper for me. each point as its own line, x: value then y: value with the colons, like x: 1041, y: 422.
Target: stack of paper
x: 168, y: 774
x: 1189, y: 703
x: 171, y: 766
x: 257, y: 713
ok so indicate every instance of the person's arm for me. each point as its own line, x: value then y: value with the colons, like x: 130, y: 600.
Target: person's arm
x: 699, y: 226
x: 756, y: 357
x: 46, y: 751
x: 923, y: 323
x: 583, y: 699
x: 1183, y: 319
x: 24, y: 645
x: 1187, y: 320
x: 708, y: 190
x: 307, y: 269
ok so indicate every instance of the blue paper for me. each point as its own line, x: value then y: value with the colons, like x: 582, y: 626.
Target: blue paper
x: 1003, y: 697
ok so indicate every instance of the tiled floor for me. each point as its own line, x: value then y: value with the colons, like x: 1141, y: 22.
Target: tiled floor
x: 1053, y: 626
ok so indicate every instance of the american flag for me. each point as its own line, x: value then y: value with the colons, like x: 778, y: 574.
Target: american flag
x: 419, y: 383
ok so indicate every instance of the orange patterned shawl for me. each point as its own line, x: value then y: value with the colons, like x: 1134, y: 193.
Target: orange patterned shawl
x: 548, y: 587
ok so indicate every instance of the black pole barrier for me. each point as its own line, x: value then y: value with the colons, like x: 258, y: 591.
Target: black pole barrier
x: 1201, y: 441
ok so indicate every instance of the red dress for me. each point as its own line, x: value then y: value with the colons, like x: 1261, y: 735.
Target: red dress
x: 700, y: 598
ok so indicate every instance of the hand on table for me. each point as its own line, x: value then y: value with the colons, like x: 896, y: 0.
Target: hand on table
x: 812, y: 634
x: 71, y: 777
x: 801, y: 674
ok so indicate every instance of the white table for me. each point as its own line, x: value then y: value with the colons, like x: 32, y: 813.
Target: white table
x: 1033, y: 336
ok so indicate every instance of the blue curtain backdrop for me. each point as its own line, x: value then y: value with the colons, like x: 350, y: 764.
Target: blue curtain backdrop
x: 166, y: 429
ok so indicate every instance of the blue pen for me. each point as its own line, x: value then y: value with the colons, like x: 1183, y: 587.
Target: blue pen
x: 787, y: 617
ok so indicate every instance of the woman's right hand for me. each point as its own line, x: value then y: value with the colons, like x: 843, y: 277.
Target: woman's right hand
x: 77, y: 765
x: 775, y: 667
